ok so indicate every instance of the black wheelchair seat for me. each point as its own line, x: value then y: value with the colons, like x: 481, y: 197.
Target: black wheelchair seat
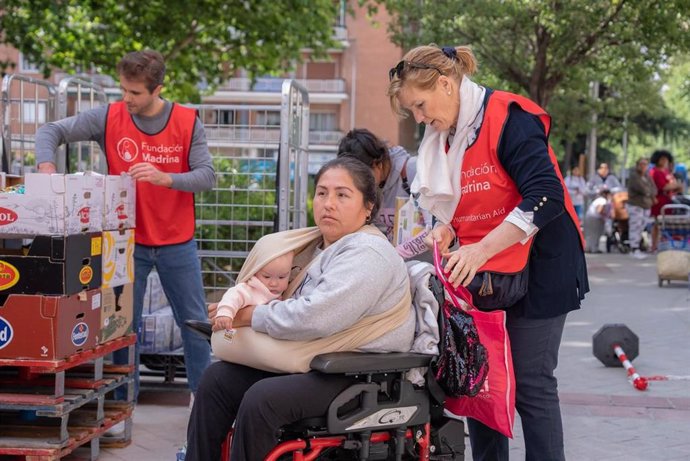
x: 357, y: 363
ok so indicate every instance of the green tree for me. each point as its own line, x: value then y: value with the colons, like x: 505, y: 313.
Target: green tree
x: 551, y: 51
x: 203, y: 41
x: 540, y: 45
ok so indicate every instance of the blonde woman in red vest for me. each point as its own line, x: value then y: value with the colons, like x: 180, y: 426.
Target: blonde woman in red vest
x: 162, y: 145
x: 486, y: 172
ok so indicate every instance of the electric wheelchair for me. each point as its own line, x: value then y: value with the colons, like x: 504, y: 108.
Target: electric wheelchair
x: 382, y: 416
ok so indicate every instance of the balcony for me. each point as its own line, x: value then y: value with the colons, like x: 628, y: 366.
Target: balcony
x: 267, y: 90
x: 274, y: 85
x: 325, y: 137
x: 234, y: 135
x: 340, y: 33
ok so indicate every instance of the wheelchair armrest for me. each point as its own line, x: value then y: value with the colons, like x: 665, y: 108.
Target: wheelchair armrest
x: 200, y: 327
x: 351, y: 363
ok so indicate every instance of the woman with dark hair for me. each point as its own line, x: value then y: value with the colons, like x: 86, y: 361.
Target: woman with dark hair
x: 666, y: 187
x: 394, y: 169
x: 331, y: 296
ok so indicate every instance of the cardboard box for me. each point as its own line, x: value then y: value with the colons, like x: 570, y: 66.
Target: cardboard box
x: 410, y: 221
x: 118, y: 257
x: 8, y: 180
x: 49, y: 327
x: 53, y: 204
x: 117, y: 312
x: 119, y: 202
x: 52, y: 265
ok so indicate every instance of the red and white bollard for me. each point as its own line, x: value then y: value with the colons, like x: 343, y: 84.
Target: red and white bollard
x: 667, y: 378
x: 640, y: 383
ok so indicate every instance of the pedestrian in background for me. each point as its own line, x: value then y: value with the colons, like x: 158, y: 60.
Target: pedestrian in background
x: 666, y: 187
x: 394, y: 169
x: 162, y: 145
x: 599, y: 211
x: 603, y: 179
x: 576, y: 188
x: 641, y: 197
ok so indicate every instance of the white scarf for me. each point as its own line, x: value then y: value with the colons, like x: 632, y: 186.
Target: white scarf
x: 438, y: 174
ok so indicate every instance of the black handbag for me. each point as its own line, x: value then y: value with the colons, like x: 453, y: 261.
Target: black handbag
x: 462, y: 364
x: 491, y: 290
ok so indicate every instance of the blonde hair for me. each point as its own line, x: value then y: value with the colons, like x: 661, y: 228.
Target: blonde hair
x: 439, y: 63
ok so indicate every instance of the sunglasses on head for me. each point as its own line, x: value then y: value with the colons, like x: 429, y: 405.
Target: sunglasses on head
x: 400, y: 68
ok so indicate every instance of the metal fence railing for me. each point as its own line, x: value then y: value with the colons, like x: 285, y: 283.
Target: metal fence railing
x: 75, y: 95
x: 27, y: 103
x: 259, y: 152
x: 261, y: 181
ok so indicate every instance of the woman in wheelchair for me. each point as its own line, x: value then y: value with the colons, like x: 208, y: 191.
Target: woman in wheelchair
x: 351, y: 292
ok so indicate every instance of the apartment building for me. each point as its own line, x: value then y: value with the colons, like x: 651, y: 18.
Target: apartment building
x: 346, y: 90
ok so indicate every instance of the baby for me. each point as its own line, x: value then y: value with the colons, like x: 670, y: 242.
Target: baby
x: 267, y: 284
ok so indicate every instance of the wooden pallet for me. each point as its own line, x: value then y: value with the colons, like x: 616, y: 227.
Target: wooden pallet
x: 28, y: 371
x: 34, y: 443
x: 48, y: 408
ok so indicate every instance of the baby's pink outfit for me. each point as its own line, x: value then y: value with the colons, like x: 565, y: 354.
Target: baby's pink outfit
x: 250, y: 293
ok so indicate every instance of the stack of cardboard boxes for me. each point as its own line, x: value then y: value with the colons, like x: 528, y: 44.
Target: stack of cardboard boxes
x: 118, y: 256
x: 66, y: 267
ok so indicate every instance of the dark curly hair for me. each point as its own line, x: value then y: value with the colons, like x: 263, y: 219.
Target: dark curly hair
x: 658, y: 154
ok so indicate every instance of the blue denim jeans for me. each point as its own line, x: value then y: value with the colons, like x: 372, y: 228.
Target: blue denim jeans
x: 180, y: 273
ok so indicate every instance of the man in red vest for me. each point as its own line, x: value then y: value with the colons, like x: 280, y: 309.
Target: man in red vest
x: 162, y: 145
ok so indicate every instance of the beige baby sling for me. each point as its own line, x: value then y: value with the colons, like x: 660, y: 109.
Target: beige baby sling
x: 259, y: 350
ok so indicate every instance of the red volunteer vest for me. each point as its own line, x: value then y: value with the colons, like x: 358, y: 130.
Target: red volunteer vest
x: 164, y: 216
x: 488, y: 192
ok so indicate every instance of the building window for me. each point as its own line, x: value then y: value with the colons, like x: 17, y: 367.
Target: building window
x: 30, y: 114
x: 321, y: 70
x: 216, y: 117
x: 322, y: 121
x: 25, y: 65
x: 342, y: 14
x: 268, y: 118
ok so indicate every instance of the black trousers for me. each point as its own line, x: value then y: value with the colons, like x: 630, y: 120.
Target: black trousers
x: 258, y: 403
x: 534, y: 344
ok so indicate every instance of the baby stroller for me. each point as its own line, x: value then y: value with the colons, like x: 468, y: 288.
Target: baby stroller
x: 617, y: 237
x: 617, y: 230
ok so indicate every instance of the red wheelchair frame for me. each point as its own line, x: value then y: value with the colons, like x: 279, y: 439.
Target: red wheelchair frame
x: 316, y: 446
x: 390, y: 417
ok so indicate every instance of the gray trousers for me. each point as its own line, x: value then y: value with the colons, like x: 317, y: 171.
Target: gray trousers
x: 534, y: 344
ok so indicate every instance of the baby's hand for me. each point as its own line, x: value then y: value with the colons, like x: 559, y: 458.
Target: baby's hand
x: 222, y: 323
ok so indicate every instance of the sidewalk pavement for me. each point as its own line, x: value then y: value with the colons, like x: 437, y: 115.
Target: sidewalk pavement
x: 604, y: 417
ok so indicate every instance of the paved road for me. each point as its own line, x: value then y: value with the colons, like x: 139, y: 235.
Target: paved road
x: 604, y: 417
